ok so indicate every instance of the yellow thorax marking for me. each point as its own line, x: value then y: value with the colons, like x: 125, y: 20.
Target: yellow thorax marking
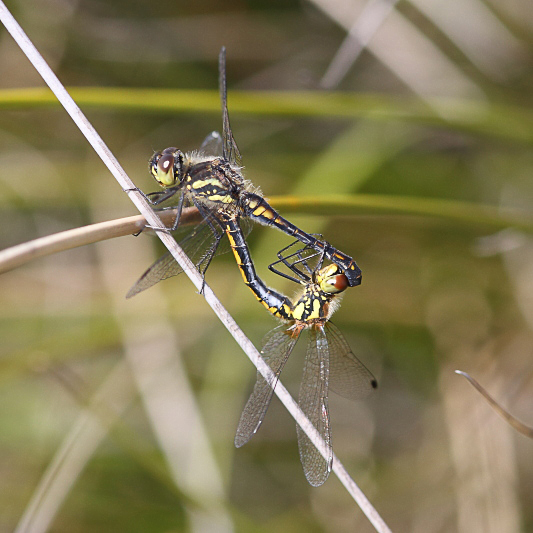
x: 199, y: 184
x: 226, y: 199
x: 298, y: 311
x: 316, y: 308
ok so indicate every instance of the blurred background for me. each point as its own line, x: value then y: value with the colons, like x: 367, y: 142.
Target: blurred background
x: 120, y: 415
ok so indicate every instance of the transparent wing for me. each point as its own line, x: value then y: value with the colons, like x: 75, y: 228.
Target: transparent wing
x: 348, y: 377
x: 246, y: 225
x: 212, y: 145
x: 277, y: 346
x: 313, y: 400
x: 197, y: 244
x: 230, y: 149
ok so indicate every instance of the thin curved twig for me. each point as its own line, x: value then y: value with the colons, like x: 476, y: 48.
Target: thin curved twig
x: 153, y: 220
x: 508, y: 417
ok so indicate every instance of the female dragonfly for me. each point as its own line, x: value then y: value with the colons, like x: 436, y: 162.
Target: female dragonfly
x: 329, y: 361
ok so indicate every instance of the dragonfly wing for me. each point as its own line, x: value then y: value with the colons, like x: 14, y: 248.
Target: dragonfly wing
x: 277, y: 346
x: 313, y: 400
x: 230, y: 149
x: 348, y: 377
x: 246, y: 225
x: 197, y: 244
x: 212, y: 144
x: 165, y: 267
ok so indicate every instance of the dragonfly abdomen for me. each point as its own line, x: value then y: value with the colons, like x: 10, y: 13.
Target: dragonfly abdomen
x: 257, y: 208
x: 277, y: 304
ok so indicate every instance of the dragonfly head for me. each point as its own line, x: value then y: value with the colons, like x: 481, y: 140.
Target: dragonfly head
x: 166, y: 166
x: 331, y: 280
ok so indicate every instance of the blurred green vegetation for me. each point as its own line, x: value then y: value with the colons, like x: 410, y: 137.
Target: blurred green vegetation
x: 422, y: 174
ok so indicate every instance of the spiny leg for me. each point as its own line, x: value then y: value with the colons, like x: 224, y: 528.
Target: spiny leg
x: 297, y: 261
x: 157, y: 198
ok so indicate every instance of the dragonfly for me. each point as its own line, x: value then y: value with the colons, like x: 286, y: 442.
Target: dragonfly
x: 212, y: 180
x: 329, y: 361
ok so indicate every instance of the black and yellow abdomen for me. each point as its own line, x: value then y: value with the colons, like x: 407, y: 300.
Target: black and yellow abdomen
x: 275, y: 303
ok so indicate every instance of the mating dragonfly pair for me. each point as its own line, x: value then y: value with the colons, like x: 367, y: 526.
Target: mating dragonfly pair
x: 212, y: 181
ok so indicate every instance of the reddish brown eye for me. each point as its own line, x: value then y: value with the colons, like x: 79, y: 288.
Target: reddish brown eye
x: 165, y: 166
x: 341, y: 282
x: 165, y: 163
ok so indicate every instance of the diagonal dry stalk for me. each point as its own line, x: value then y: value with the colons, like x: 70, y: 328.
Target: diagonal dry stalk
x: 153, y: 220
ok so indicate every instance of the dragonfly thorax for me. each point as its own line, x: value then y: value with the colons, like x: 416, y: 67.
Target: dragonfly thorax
x: 321, y: 298
x: 214, y: 180
x: 313, y: 304
x: 208, y: 179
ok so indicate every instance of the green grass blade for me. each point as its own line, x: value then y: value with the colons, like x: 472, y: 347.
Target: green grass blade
x: 491, y: 119
x: 465, y: 212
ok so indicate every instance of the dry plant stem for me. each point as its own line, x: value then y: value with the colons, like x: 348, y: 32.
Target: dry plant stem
x: 153, y: 220
x: 21, y: 254
x: 365, y: 26
x: 515, y: 423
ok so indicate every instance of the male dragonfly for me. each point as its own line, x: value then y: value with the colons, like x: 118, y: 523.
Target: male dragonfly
x: 212, y: 180
x: 329, y: 361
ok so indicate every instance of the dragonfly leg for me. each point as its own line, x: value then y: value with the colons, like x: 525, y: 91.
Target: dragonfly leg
x: 136, y: 189
x: 297, y: 261
x: 178, y: 213
x: 156, y: 198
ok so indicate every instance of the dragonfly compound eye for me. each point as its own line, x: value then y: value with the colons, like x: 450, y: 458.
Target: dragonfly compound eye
x: 341, y: 282
x: 164, y: 166
x: 164, y: 170
x: 335, y: 284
